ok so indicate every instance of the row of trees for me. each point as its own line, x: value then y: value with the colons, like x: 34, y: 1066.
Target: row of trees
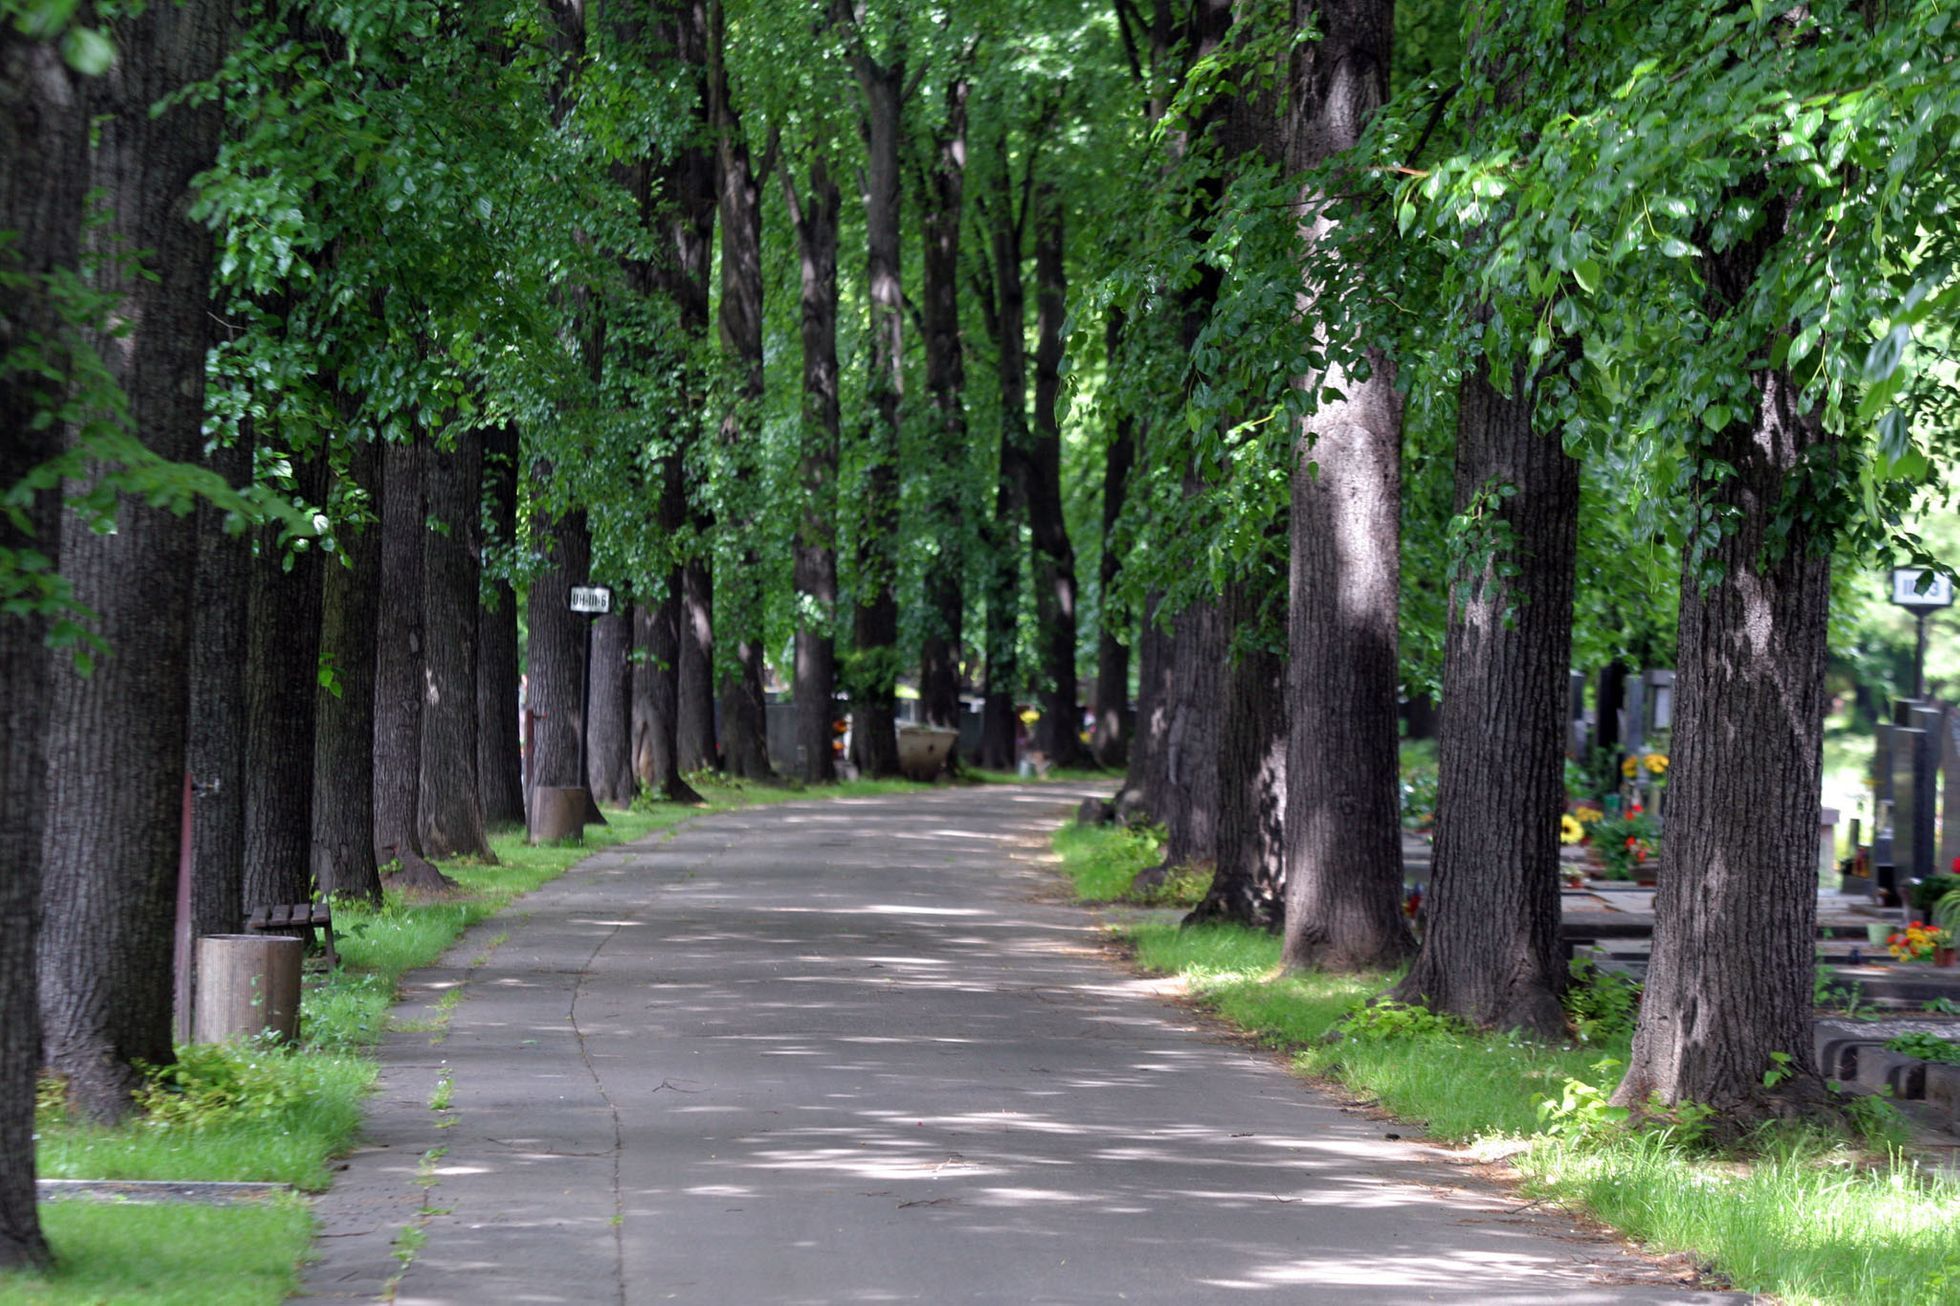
x: 1367, y: 346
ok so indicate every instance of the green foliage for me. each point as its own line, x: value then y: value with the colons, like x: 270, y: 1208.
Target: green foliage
x: 1387, y: 1021
x: 1104, y: 860
x: 1927, y: 1047
x: 1627, y: 844
x: 169, y: 1254
x: 1601, y: 1004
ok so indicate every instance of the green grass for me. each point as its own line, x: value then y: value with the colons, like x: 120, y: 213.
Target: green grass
x: 1800, y: 1213
x: 1103, y: 860
x: 281, y: 1115
x: 1056, y: 775
x: 167, y: 1255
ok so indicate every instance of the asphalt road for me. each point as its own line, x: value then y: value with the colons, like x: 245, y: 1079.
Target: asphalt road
x: 862, y: 1051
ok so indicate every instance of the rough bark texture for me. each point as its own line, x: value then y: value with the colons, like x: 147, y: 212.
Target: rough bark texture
x: 609, y: 755
x: 1736, y: 913
x: 815, y: 216
x: 343, y: 745
x: 499, y: 741
x: 874, y: 728
x: 1490, y: 953
x: 695, y: 724
x: 557, y: 649
x: 942, y: 186
x: 1187, y: 800
x: 744, y: 736
x: 1143, y: 782
x: 43, y: 177
x: 215, y: 750
x: 1109, y: 739
x: 1343, y: 831
x: 398, y: 658
x: 117, y: 742
x: 1054, y: 557
x: 448, y: 818
x: 1006, y: 312
x: 1249, y: 884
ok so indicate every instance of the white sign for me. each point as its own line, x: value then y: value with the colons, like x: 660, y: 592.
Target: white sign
x: 591, y: 600
x: 1906, y: 592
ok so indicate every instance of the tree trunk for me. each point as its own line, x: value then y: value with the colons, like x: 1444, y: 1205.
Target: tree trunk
x: 1007, y: 318
x: 43, y: 178
x: 609, y: 756
x: 1490, y: 953
x: 215, y: 750
x: 1343, y: 827
x: 557, y: 648
x: 1735, y: 918
x: 398, y: 655
x: 499, y: 751
x: 1249, y: 883
x: 1054, y: 557
x: 343, y: 746
x: 448, y: 819
x: 1144, y: 780
x: 942, y: 188
x: 1109, y: 740
x: 1189, y: 802
x: 696, y: 723
x: 687, y: 201
x: 874, y: 655
x: 815, y: 219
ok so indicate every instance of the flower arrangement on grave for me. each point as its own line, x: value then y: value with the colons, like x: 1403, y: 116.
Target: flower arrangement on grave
x: 1569, y: 829
x: 1625, y: 844
x: 1654, y: 764
x: 1918, y: 941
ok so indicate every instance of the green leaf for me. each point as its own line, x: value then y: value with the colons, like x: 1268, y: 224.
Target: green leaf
x: 1586, y: 272
x: 1716, y: 416
x: 87, y: 51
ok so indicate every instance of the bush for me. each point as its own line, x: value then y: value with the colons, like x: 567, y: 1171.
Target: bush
x: 1602, y: 1004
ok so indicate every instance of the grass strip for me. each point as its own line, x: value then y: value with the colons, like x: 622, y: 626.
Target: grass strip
x: 267, y: 1113
x: 1103, y: 862
x: 1809, y: 1216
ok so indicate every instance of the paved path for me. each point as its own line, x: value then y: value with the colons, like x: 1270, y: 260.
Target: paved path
x: 859, y: 1051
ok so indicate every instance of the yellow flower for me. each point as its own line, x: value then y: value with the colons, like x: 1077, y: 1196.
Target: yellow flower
x: 1569, y: 829
x: 1630, y: 768
x: 1655, y: 763
x: 1587, y: 815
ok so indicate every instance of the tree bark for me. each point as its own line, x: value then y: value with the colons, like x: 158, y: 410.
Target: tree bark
x: 1143, y: 782
x: 448, y: 818
x: 499, y: 751
x: 343, y: 746
x: 398, y: 661
x: 696, y: 723
x: 557, y: 648
x: 1109, y: 741
x: 1054, y: 556
x: 1188, y: 803
x: 1735, y: 918
x: 744, y: 732
x: 281, y: 677
x: 1490, y: 953
x: 1249, y: 884
x: 1006, y: 312
x: 117, y: 738
x: 815, y: 218
x: 942, y: 187
x: 874, y: 655
x: 1343, y: 829
x: 609, y: 756
x: 215, y: 749
x: 43, y: 178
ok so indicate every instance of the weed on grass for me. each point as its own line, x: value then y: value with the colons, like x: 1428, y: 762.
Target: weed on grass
x: 1801, y: 1213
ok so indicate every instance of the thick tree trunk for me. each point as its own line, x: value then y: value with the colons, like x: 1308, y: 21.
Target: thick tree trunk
x: 43, y: 177
x: 1249, y: 883
x: 1144, y: 780
x: 499, y: 741
x: 343, y: 746
x: 1054, y: 556
x: 1109, y: 740
x: 1188, y: 803
x: 942, y: 188
x: 1735, y: 919
x: 557, y: 648
x: 1490, y: 953
x: 1343, y: 828
x: 216, y: 746
x: 875, y: 657
x: 117, y: 738
x: 609, y: 755
x: 815, y: 217
x: 1007, y: 317
x: 398, y: 661
x: 695, y: 726
x: 448, y: 819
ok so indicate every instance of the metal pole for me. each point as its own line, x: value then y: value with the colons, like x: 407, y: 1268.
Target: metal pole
x: 1919, y: 657
x: 585, y: 709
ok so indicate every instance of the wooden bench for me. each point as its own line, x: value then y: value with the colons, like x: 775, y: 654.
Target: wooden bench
x: 306, y: 916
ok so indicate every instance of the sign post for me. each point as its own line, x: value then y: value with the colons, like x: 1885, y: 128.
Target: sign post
x: 1921, y: 593
x: 590, y: 602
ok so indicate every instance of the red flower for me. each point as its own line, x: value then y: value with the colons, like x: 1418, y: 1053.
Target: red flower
x: 1637, y: 809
